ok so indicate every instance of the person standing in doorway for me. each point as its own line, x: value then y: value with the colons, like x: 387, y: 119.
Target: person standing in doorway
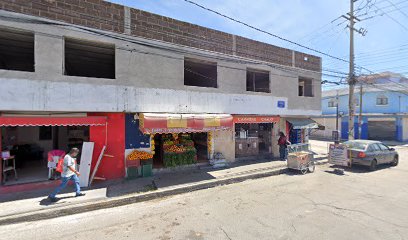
x: 283, y: 145
x: 69, y: 173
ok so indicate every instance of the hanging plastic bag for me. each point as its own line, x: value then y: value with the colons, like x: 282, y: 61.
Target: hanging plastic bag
x: 59, y: 165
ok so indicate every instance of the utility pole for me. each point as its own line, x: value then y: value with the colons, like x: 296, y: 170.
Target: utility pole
x: 360, y: 116
x: 337, y: 138
x: 352, y: 79
x: 337, y: 110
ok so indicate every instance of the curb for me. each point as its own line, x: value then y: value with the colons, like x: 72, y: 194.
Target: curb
x: 136, y: 198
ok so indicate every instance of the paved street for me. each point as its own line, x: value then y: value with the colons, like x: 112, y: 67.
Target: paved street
x: 322, y: 205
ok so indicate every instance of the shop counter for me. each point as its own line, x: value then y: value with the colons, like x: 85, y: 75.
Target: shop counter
x: 246, y: 146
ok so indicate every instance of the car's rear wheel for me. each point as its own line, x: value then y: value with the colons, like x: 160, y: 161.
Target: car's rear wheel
x: 373, y: 165
x: 395, y: 161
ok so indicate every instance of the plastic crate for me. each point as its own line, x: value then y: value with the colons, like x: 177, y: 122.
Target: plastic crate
x: 132, y: 172
x: 147, y: 170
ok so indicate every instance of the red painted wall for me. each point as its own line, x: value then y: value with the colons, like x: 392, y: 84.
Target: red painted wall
x: 110, y: 167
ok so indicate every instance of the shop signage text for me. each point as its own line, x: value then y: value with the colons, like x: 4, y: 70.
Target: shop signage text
x: 338, y: 155
x: 256, y: 119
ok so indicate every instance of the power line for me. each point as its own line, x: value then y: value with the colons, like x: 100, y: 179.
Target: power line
x: 393, y: 19
x: 265, y: 32
x: 204, y: 41
x: 274, y: 35
x: 385, y: 8
x: 177, y: 50
x: 141, y: 43
x: 282, y: 68
x: 396, y: 7
x: 377, y: 86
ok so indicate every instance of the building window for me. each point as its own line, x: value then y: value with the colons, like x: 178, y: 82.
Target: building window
x: 258, y: 81
x: 382, y: 100
x: 199, y: 73
x: 332, y: 103
x: 16, y: 50
x: 89, y: 59
x: 305, y: 87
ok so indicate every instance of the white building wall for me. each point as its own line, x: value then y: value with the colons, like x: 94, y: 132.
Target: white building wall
x: 147, y: 80
x: 330, y: 126
x: 28, y: 95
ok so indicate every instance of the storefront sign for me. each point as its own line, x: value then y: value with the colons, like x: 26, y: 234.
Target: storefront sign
x: 178, y: 123
x: 256, y: 119
x: 181, y: 130
x: 338, y: 155
x: 281, y: 104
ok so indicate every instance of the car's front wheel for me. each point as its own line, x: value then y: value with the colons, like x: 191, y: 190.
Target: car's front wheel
x: 373, y: 165
x: 395, y: 161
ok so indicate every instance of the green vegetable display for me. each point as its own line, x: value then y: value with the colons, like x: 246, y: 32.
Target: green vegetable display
x: 178, y: 159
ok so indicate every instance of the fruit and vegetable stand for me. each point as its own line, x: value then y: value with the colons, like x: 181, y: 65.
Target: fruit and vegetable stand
x: 179, y: 151
x: 146, y: 164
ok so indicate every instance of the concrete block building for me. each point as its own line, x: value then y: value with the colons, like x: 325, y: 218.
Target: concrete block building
x: 93, y: 71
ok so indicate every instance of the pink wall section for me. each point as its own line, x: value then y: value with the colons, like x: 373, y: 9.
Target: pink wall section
x: 110, y: 167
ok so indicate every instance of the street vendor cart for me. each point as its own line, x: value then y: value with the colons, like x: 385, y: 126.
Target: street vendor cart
x: 300, y: 159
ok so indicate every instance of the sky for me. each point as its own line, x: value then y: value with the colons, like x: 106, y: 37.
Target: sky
x: 313, y: 23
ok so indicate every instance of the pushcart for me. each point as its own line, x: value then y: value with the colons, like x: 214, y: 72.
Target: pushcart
x: 302, y: 160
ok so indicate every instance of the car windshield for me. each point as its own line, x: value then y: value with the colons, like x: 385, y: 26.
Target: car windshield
x: 356, y: 145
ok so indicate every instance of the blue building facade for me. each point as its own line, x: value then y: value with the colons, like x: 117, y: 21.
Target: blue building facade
x: 397, y: 103
x: 384, y: 112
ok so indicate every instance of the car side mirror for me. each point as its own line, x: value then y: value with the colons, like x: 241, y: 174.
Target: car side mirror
x: 392, y: 149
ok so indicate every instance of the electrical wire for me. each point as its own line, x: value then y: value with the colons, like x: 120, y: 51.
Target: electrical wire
x: 396, y: 7
x: 266, y: 32
x: 274, y: 35
x: 393, y: 19
x: 285, y: 69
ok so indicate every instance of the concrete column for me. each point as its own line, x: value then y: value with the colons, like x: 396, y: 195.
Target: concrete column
x: 275, y: 133
x: 234, y: 45
x: 127, y: 21
x: 224, y: 142
x: 49, y: 55
x: 399, y: 124
x: 278, y: 127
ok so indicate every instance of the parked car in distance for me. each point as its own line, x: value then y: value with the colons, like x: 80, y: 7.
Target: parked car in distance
x: 371, y: 153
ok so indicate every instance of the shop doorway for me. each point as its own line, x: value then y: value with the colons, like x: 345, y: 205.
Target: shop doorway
x: 194, y: 147
x: 32, y: 145
x: 253, y: 139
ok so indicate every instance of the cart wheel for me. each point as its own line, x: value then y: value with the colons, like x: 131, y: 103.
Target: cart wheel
x: 311, y: 167
x: 303, y: 169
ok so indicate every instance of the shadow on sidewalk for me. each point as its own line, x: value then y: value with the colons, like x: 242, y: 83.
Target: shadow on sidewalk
x: 169, y: 178
x: 60, y: 200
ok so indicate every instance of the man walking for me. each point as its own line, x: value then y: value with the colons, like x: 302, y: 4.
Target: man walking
x: 69, y: 173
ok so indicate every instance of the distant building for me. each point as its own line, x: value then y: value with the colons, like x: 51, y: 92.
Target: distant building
x: 384, y: 109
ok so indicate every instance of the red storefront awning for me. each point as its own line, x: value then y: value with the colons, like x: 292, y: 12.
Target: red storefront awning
x: 51, y: 121
x: 255, y: 119
x: 151, y: 123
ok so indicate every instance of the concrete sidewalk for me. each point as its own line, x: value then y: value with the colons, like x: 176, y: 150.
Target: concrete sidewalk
x: 35, y: 206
